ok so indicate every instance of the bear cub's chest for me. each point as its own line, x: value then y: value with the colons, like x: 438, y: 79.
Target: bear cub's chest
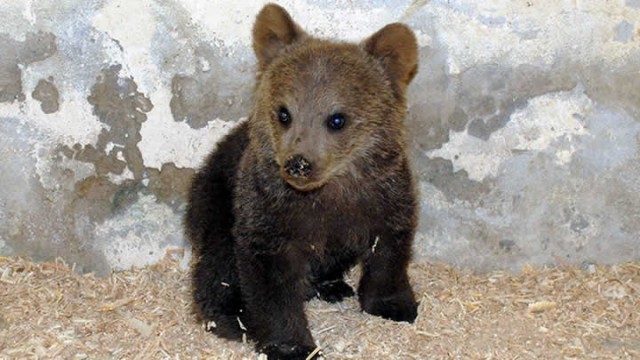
x: 324, y: 221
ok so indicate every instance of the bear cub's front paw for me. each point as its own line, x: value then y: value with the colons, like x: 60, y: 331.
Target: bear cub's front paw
x: 285, y: 351
x: 397, y: 307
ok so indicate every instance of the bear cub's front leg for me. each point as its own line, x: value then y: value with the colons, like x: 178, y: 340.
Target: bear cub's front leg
x: 273, y: 287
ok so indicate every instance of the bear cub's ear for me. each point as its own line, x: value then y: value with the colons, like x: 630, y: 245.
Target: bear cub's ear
x: 273, y: 31
x: 396, y: 48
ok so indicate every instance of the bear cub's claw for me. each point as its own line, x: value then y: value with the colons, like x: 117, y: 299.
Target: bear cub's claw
x: 284, y: 351
x: 224, y: 326
x: 333, y: 291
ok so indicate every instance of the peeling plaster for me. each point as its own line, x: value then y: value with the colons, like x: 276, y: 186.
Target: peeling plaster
x: 133, y: 38
x: 232, y: 27
x: 130, y: 239
x: 470, y: 41
x: 535, y: 128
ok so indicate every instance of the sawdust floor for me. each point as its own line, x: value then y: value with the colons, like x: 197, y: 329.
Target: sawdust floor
x: 49, y: 311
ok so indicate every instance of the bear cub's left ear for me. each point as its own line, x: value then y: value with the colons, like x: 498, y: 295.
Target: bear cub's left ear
x: 273, y: 31
x: 395, y: 46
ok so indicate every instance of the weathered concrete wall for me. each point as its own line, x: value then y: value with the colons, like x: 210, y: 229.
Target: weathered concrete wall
x: 525, y: 121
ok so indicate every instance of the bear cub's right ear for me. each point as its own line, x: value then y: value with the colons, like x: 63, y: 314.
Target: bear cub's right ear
x: 273, y: 31
x: 396, y: 48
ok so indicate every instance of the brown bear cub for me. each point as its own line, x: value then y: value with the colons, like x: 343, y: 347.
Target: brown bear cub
x: 316, y: 181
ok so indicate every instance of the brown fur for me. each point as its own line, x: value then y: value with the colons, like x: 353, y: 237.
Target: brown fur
x: 282, y: 209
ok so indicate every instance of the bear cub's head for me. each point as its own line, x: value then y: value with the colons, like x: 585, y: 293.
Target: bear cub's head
x: 323, y: 107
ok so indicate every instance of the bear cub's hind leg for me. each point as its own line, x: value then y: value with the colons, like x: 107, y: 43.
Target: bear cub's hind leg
x: 333, y: 291
x: 327, y: 281
x: 217, y: 297
x: 384, y: 288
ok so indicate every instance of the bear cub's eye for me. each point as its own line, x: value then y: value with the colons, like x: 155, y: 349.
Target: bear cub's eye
x: 283, y: 116
x: 336, y: 121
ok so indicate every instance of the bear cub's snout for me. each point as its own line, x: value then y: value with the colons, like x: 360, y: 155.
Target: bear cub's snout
x: 298, y: 166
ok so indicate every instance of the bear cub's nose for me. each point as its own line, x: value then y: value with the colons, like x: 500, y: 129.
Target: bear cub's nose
x: 298, y: 166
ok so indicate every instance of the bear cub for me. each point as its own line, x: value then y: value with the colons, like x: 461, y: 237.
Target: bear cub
x: 317, y: 180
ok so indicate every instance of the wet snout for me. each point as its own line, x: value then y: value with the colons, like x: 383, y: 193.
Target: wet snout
x: 298, y: 166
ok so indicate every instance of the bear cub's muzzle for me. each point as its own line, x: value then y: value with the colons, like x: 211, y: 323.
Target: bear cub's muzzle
x: 297, y: 166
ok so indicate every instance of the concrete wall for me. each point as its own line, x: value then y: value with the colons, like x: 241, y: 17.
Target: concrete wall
x: 525, y: 122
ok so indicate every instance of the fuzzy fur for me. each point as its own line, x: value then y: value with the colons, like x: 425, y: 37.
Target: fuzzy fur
x: 264, y: 240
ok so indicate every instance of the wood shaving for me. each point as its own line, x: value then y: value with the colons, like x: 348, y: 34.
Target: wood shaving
x: 541, y: 306
x: 142, y: 327
x: 313, y: 353
x: 49, y: 311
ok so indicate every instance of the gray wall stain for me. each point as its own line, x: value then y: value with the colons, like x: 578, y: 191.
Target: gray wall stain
x: 118, y: 104
x: 624, y: 32
x: 39, y: 222
x: 215, y: 89
x: 615, y: 85
x: 47, y: 93
x: 35, y: 47
x: 73, y: 210
x: 455, y: 185
x: 633, y: 3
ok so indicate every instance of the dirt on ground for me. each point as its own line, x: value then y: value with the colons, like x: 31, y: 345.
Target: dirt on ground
x: 50, y: 311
